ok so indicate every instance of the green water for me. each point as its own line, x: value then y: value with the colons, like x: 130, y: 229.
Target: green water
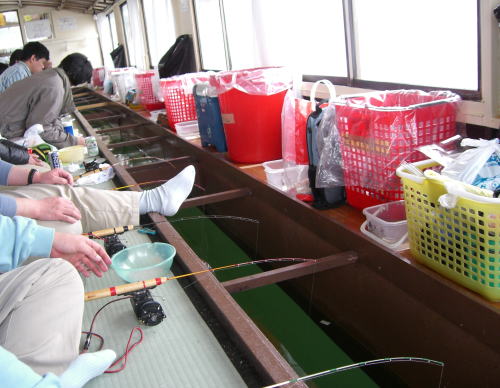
x: 298, y: 338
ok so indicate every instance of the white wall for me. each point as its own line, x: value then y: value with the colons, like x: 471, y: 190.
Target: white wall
x: 82, y: 38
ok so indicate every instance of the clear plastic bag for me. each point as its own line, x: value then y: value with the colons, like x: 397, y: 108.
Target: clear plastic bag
x: 263, y: 81
x: 479, y: 166
x: 330, y: 171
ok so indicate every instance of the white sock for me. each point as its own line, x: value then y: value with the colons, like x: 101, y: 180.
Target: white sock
x: 85, y: 367
x: 168, y: 198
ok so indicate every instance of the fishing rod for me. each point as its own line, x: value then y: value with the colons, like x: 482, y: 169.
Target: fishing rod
x: 360, y: 365
x: 126, y: 228
x: 130, y: 287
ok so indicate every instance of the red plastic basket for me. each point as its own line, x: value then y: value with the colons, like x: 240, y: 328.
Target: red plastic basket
x: 146, y: 94
x: 380, y: 130
x: 178, y: 95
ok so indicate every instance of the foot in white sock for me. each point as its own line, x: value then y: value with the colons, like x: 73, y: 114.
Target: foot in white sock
x: 168, y: 198
x: 85, y: 367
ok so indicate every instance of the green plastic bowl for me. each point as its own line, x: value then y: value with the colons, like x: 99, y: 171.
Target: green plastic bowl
x: 143, y: 262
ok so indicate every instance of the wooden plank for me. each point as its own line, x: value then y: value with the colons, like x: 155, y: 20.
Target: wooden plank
x: 290, y: 272
x: 217, y: 197
x: 120, y: 128
x: 110, y: 117
x: 144, y: 140
x: 92, y: 106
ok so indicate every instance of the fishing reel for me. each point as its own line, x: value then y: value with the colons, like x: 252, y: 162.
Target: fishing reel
x: 112, y: 244
x: 148, y: 311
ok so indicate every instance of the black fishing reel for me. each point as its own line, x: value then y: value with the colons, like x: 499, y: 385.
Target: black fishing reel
x: 91, y: 166
x: 112, y: 244
x: 148, y: 311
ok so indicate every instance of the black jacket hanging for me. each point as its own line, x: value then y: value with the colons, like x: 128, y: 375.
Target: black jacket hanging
x: 179, y: 59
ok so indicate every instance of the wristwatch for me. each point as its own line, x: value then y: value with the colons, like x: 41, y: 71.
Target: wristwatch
x: 31, y: 174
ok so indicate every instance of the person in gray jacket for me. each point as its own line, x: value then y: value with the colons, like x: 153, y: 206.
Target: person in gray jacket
x: 42, y: 99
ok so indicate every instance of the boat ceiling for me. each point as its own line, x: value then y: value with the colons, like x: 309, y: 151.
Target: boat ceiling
x: 84, y: 6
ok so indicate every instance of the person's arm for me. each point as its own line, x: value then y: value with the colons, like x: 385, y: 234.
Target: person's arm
x: 15, y: 373
x: 22, y: 238
x: 13, y: 153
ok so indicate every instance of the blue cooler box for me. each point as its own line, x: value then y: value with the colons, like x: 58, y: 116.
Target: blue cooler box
x: 209, y: 118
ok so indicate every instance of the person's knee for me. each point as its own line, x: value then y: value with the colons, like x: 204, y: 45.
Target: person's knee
x: 67, y: 277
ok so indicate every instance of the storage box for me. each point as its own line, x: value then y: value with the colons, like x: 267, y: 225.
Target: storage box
x: 188, y: 129
x: 386, y: 224
x: 275, y: 173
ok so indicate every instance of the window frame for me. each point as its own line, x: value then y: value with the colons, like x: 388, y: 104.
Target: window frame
x: 351, y: 80
x: 23, y: 40
x: 122, y: 5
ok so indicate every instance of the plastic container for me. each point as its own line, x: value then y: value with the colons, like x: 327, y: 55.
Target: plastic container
x: 188, y: 129
x: 460, y: 243
x: 251, y: 101
x: 379, y: 130
x: 73, y: 154
x: 178, y: 95
x: 147, y: 96
x: 144, y: 261
x: 386, y: 224
x: 209, y: 117
x: 275, y: 173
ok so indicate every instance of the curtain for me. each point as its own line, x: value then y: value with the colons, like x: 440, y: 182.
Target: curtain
x: 134, y: 9
x: 105, y: 38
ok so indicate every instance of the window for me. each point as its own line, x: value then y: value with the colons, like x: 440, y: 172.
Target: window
x: 417, y: 42
x: 160, y: 28
x: 128, y: 34
x: 378, y: 44
x: 112, y: 29
x: 211, y: 35
x: 10, y: 34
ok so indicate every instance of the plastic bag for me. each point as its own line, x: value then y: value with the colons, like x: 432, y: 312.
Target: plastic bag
x: 294, y: 146
x: 330, y: 171
x: 263, y: 81
x: 31, y: 137
x: 479, y: 166
x: 99, y: 177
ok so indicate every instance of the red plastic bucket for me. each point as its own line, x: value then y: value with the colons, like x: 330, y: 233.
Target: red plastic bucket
x: 252, y: 124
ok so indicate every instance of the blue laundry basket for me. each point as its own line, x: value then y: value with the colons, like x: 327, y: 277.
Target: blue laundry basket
x: 209, y: 118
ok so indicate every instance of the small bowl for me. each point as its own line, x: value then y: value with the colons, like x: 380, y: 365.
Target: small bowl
x: 73, y: 154
x: 144, y: 261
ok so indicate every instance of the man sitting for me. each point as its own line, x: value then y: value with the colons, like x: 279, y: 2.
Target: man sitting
x: 42, y: 99
x: 34, y: 58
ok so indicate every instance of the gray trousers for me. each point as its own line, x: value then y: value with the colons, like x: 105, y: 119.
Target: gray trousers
x: 100, y: 209
x: 41, y: 309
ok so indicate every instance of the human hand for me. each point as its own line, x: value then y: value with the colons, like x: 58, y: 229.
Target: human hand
x: 48, y: 209
x: 57, y: 176
x: 35, y: 161
x: 81, y: 140
x: 82, y: 252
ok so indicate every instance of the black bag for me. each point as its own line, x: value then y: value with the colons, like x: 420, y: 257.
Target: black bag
x: 179, y: 58
x: 324, y: 198
x: 118, y: 57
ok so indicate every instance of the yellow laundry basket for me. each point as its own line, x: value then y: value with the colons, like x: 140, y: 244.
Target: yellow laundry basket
x: 461, y: 243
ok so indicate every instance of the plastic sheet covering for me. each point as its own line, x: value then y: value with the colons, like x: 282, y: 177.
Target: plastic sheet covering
x: 330, y: 172
x: 263, y: 81
x: 123, y: 81
x: 186, y: 81
x: 380, y: 130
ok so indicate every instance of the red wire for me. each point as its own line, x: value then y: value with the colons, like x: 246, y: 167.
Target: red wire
x: 128, y: 349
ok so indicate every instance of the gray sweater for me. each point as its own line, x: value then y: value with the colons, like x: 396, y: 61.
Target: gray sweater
x: 39, y: 99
